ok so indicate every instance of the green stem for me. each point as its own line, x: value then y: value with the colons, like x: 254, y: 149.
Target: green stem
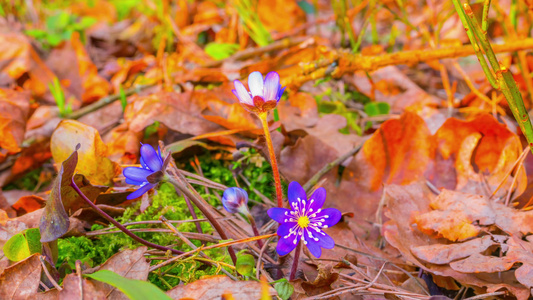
x: 503, y: 79
x: 485, y: 18
x: 273, y: 161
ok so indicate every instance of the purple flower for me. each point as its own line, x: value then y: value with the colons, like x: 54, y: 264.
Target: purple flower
x: 304, y: 221
x: 152, y: 164
x: 235, y: 200
x: 264, y: 94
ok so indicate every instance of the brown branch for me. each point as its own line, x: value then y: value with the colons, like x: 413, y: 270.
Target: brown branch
x: 345, y: 62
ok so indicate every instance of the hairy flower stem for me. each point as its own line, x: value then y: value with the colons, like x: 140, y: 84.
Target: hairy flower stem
x: 295, y: 262
x: 254, y: 228
x: 117, y: 224
x: 273, y: 161
x: 178, y: 183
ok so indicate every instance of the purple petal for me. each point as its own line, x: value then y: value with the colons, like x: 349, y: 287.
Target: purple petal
x: 151, y: 158
x: 241, y: 93
x: 139, y: 192
x: 295, y: 191
x: 255, y: 83
x: 285, y: 246
x: 331, y: 216
x: 317, y: 199
x: 272, y: 86
x: 143, y: 164
x: 134, y: 182
x: 316, y: 240
x: 136, y: 174
x: 277, y: 214
x: 281, y: 90
x: 284, y: 228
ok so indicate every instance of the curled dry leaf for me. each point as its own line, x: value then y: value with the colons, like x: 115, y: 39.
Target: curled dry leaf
x: 54, y: 221
x: 21, y: 280
x: 129, y: 264
x: 93, y: 162
x: 215, y: 287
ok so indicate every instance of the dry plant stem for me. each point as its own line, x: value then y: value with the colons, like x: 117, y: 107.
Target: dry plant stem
x: 294, y: 267
x: 117, y: 224
x: 189, y: 243
x: 349, y: 63
x: 54, y: 283
x: 273, y: 161
x: 177, y: 182
x: 226, y: 244
x: 103, y: 102
x: 263, y: 249
x: 311, y: 182
x: 254, y: 228
x: 193, y: 213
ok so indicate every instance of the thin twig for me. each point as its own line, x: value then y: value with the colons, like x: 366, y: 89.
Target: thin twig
x: 47, y: 273
x: 78, y: 272
x: 258, y: 265
x: 189, y: 243
x: 226, y: 244
x: 311, y: 182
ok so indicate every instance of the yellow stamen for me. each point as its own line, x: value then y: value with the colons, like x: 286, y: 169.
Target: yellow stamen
x: 303, y: 221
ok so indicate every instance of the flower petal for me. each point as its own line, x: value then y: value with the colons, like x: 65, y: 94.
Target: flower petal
x: 285, y: 246
x: 331, y: 216
x: 277, y: 214
x: 294, y: 192
x: 143, y: 164
x: 137, y: 174
x: 280, y: 93
x: 151, y: 158
x: 272, y: 86
x: 316, y: 240
x: 317, y: 199
x: 134, y: 182
x: 284, y: 228
x: 241, y: 93
x: 255, y: 83
x: 139, y: 192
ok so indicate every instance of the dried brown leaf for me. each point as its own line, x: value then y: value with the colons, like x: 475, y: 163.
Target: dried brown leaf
x: 129, y: 264
x: 215, y: 287
x: 21, y: 280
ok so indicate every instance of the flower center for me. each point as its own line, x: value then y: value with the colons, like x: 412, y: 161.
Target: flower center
x: 303, y: 221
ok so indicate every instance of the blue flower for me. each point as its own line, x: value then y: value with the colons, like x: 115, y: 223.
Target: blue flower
x: 235, y: 200
x: 151, y: 162
x: 304, y: 221
x: 264, y: 94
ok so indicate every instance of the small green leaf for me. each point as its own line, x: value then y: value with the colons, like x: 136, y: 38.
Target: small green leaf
x: 284, y: 289
x: 245, y: 264
x: 377, y: 108
x: 134, y: 289
x: 220, y: 51
x: 22, y: 245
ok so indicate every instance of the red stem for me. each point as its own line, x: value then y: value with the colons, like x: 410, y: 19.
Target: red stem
x: 118, y: 225
x: 295, y: 262
x: 193, y: 213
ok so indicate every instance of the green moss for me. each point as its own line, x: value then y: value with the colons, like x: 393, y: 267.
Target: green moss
x: 95, y: 250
